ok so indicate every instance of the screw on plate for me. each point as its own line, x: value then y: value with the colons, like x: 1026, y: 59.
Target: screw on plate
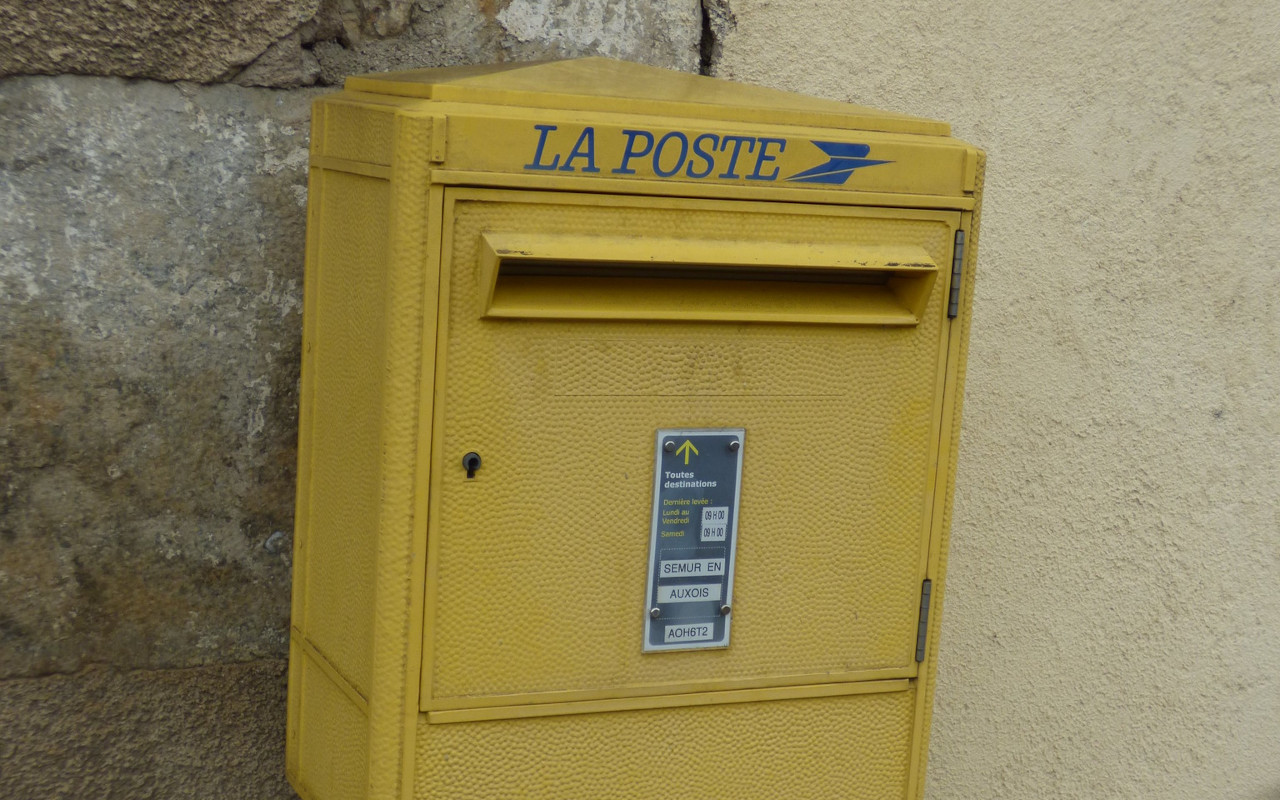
x: 669, y: 446
x: 734, y: 445
x: 724, y: 611
x: 655, y: 612
x: 471, y: 463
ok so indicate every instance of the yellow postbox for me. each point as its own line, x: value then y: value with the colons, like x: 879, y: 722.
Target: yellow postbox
x: 630, y: 402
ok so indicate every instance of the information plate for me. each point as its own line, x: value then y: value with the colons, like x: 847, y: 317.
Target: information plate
x: 697, y: 476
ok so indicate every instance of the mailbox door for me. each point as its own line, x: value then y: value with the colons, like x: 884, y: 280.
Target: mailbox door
x: 575, y: 326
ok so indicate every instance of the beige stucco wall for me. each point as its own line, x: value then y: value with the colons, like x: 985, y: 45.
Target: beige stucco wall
x: 1112, y: 624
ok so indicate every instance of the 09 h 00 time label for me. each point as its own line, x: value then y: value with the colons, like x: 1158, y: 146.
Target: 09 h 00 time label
x: 697, y: 484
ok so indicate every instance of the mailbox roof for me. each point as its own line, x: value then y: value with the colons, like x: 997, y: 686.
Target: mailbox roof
x: 601, y: 84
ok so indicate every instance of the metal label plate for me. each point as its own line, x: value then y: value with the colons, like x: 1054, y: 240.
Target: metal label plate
x: 697, y: 481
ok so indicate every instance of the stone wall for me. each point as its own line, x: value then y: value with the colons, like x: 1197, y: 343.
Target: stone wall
x: 1112, y: 625
x: 291, y: 43
x: 152, y: 209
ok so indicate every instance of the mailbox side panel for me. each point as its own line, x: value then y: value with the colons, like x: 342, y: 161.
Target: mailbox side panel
x: 335, y: 536
x: 956, y: 360
x: 368, y: 282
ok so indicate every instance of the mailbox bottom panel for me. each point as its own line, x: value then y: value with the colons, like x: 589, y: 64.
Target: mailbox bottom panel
x: 854, y: 747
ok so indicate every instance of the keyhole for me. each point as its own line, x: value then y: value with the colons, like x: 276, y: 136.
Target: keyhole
x: 471, y: 463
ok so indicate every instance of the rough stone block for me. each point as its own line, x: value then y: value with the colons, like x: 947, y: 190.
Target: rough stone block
x: 665, y: 33
x: 197, y: 40
x: 151, y: 245
x: 285, y: 64
x: 176, y: 734
x: 287, y: 43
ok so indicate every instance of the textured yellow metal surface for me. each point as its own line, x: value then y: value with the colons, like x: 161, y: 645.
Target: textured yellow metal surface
x: 333, y: 741
x: 855, y: 748
x: 599, y: 84
x: 346, y: 404
x: 702, y: 698
x: 357, y: 132
x: 563, y: 412
x: 452, y: 637
x: 351, y: 699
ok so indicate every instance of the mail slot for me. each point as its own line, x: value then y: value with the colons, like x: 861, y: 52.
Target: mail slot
x: 629, y: 415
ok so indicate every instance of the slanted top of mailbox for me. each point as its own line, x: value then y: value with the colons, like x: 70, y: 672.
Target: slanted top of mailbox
x: 601, y: 84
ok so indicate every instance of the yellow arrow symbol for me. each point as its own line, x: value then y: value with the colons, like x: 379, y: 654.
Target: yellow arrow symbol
x: 685, y: 448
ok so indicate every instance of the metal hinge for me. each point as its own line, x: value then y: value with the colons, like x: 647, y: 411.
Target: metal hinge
x: 926, y: 589
x: 957, y: 266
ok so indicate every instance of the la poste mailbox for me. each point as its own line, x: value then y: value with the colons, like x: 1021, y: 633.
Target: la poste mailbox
x: 629, y: 413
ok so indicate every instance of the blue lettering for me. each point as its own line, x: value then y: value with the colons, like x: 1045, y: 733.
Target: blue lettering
x: 584, y: 148
x: 707, y: 158
x: 764, y: 158
x: 657, y: 154
x: 631, y: 152
x: 696, y: 156
x: 542, y: 143
x: 738, y: 142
